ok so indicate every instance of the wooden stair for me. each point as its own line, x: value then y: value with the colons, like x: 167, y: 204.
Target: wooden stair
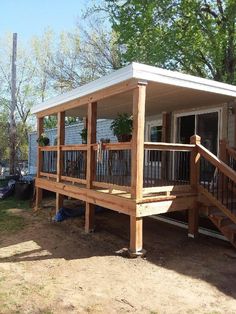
x: 223, y: 223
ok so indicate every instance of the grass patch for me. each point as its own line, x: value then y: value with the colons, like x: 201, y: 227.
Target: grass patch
x: 8, y: 221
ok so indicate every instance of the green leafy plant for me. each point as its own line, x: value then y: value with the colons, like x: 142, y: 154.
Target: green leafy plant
x: 122, y: 127
x: 43, y: 140
x: 84, y: 134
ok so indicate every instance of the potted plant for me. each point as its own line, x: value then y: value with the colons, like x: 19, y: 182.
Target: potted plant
x: 43, y: 140
x: 122, y: 127
x: 83, y: 135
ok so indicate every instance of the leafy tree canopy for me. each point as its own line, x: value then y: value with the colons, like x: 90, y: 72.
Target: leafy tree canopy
x: 194, y: 36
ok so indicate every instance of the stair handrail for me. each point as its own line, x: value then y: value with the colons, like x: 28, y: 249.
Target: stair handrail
x: 224, y: 168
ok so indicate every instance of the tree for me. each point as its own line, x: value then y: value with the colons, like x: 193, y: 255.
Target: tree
x: 194, y: 36
x: 100, y: 53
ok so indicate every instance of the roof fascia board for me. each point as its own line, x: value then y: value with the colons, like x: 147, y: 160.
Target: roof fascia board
x: 113, y: 78
x: 150, y: 73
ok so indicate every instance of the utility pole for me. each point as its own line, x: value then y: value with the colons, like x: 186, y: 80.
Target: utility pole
x: 12, y: 131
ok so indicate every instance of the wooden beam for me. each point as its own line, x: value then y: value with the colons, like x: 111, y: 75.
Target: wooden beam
x: 92, y: 126
x: 165, y: 134
x: 59, y: 201
x: 223, y: 150
x: 136, y: 236
x: 168, y: 188
x: 169, y: 146
x: 93, y: 97
x: 89, y: 217
x: 60, y: 141
x: 193, y: 221
x: 39, y: 191
x: 114, y: 202
x: 165, y: 206
x: 137, y: 153
x: 195, y: 162
x: 91, y: 163
x: 111, y: 186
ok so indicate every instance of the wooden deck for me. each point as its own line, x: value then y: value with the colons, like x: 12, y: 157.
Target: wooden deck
x: 151, y: 203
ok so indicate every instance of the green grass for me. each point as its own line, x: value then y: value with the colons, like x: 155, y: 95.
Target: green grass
x: 9, y: 222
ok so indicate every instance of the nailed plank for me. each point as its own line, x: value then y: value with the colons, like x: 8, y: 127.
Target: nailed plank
x: 114, y: 202
x: 79, y: 147
x: 48, y: 175
x: 155, y: 208
x: 168, y: 188
x: 110, y: 186
x: 168, y: 146
x: 73, y: 180
x: 48, y: 148
x: 114, y: 146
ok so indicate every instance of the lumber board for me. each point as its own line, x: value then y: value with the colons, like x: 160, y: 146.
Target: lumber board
x: 165, y: 206
x: 114, y: 202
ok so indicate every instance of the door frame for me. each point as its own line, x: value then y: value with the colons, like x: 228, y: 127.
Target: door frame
x: 149, y: 125
x: 195, y: 112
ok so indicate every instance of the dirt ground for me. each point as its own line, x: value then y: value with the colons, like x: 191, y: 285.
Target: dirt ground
x: 56, y: 268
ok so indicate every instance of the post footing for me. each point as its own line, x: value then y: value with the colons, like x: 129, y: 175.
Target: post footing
x: 192, y: 236
x: 89, y: 231
x: 141, y: 253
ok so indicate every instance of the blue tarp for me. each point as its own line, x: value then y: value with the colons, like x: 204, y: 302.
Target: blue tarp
x: 65, y: 213
x: 7, y: 190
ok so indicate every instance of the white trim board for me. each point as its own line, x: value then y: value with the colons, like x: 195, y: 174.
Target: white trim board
x: 141, y: 72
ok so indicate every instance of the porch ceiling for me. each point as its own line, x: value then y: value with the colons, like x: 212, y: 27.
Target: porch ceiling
x: 160, y: 97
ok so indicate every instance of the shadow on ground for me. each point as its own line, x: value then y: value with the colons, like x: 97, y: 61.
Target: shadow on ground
x: 205, y: 258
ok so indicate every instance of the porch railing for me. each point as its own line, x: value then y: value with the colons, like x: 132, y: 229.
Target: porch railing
x: 74, y: 160
x: 165, y: 165
x: 49, y: 161
x: 113, y: 165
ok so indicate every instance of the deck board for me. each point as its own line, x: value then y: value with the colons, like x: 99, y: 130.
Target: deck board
x: 121, y: 201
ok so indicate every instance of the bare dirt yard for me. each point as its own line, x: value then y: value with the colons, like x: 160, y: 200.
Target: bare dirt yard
x: 50, y: 267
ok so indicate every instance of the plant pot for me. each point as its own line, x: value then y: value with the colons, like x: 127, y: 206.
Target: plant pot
x: 124, y: 137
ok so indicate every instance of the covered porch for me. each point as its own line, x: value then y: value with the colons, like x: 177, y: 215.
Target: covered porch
x: 138, y: 178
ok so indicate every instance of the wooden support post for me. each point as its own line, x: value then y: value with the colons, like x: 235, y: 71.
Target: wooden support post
x: 136, y: 237
x: 223, y: 151
x: 91, y: 163
x: 223, y: 155
x: 136, y: 230
x: 165, y: 134
x: 60, y: 141
x: 139, y: 97
x: 193, y: 221
x: 59, y: 201
x: 165, y: 139
x: 39, y: 191
x: 193, y: 213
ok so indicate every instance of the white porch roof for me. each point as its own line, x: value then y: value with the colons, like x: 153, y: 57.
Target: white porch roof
x: 166, y: 91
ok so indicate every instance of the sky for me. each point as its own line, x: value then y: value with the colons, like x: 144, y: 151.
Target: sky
x: 32, y: 17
